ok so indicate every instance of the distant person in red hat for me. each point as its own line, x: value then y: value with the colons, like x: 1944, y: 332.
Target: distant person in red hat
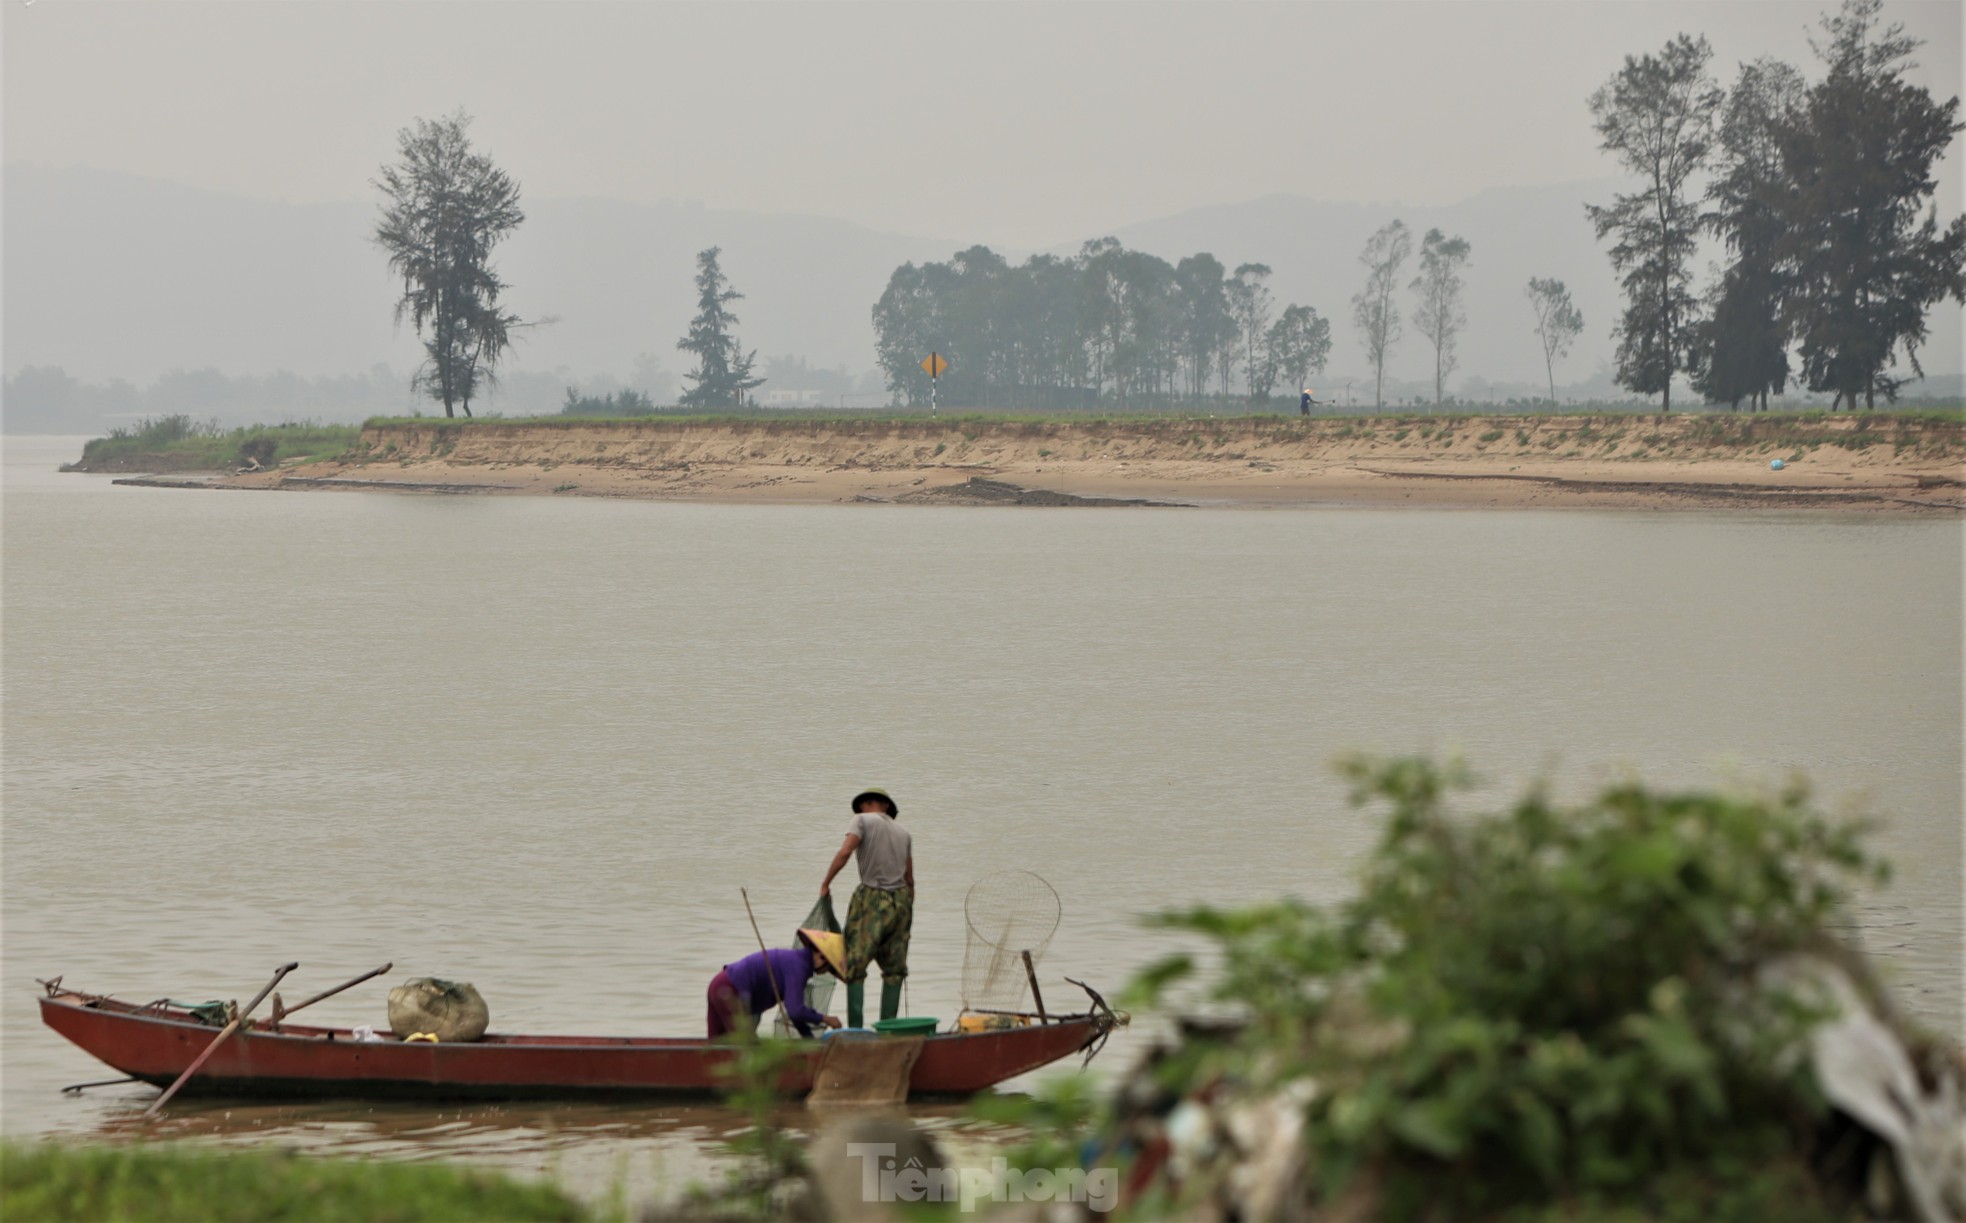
x: 881, y: 914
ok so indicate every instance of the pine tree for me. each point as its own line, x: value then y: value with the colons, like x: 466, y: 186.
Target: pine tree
x: 1657, y: 116
x: 447, y: 207
x: 723, y: 368
x: 1857, y: 161
x: 1742, y: 350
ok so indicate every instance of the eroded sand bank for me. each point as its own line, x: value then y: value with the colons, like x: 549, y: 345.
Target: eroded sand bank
x: 1878, y: 464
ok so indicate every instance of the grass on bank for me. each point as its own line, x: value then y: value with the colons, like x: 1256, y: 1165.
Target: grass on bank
x: 178, y: 443
x: 50, y: 1183
x: 1455, y: 414
x: 1627, y: 436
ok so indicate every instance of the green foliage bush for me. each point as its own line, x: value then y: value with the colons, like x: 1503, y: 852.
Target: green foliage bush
x: 58, y: 1184
x: 622, y: 404
x: 1542, y: 1005
x: 157, y: 432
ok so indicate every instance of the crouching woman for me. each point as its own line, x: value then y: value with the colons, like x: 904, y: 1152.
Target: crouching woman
x: 745, y: 990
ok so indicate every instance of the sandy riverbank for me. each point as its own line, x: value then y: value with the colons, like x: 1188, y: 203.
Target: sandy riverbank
x: 1872, y: 464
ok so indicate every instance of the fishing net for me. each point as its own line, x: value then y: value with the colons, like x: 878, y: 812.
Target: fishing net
x: 819, y: 986
x: 1009, y: 913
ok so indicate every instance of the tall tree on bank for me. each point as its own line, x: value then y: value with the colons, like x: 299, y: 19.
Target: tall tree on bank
x: 1656, y: 115
x: 723, y: 368
x: 1742, y: 348
x: 445, y: 208
x: 1858, y: 163
x: 1558, y: 323
x: 1299, y: 343
x: 1373, y: 311
x: 1438, y: 313
x: 1249, y: 303
x: 1206, y: 324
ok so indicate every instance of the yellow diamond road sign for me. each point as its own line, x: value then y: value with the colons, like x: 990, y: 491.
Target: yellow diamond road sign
x: 935, y: 365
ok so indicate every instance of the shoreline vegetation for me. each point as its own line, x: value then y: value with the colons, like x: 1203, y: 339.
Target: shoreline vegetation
x: 1901, y: 463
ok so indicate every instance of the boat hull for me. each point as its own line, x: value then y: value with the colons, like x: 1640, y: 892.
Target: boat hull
x: 157, y: 1044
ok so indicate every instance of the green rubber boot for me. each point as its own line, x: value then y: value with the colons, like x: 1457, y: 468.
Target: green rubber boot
x: 856, y: 1003
x: 890, y: 998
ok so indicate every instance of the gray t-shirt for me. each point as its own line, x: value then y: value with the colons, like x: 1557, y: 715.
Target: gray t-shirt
x: 882, y: 854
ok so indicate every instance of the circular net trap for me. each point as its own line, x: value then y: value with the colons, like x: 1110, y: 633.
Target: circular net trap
x: 1008, y: 913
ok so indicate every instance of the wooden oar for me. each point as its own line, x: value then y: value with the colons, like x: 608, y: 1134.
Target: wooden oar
x: 218, y: 1040
x: 1031, y: 973
x: 281, y: 1011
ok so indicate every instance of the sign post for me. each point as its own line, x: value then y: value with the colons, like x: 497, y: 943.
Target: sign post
x: 933, y: 365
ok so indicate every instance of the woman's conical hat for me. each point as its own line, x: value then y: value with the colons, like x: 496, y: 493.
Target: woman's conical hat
x: 830, y: 946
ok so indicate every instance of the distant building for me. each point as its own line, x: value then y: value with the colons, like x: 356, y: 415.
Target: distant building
x: 791, y: 398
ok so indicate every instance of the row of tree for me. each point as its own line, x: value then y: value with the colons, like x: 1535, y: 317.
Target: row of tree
x: 1105, y: 324
x: 48, y: 399
x: 1112, y: 324
x: 1822, y: 196
x: 1438, y: 310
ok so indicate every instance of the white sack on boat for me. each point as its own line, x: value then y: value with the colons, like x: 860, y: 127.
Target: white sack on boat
x: 449, y: 1010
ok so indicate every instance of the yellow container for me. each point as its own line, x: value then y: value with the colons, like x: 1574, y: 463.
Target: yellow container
x: 969, y: 1021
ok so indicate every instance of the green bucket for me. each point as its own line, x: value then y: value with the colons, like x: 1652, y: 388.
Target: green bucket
x: 909, y: 1025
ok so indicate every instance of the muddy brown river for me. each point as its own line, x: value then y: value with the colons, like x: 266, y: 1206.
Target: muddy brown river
x: 540, y: 744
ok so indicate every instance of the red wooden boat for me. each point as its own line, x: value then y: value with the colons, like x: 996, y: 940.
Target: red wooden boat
x: 155, y: 1042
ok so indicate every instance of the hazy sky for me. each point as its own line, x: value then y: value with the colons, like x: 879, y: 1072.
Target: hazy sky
x: 1021, y: 125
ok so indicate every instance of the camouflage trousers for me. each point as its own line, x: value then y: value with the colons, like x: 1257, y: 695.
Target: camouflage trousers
x: 877, y: 926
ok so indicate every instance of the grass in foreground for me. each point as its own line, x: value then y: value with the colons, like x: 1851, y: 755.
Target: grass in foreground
x: 47, y: 1183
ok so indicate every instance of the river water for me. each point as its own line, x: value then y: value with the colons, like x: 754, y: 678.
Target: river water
x: 541, y: 743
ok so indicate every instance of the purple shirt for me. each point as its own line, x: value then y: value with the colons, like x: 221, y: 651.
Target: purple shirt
x: 791, y: 966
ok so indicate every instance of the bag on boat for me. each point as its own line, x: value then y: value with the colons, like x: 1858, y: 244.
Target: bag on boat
x: 449, y: 1010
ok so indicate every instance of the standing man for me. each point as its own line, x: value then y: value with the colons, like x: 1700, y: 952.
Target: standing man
x: 882, y: 911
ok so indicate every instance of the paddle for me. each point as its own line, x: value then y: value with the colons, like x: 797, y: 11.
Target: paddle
x: 218, y: 1040
x: 281, y: 1011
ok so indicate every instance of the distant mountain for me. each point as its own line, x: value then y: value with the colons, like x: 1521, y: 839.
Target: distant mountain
x: 113, y: 276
